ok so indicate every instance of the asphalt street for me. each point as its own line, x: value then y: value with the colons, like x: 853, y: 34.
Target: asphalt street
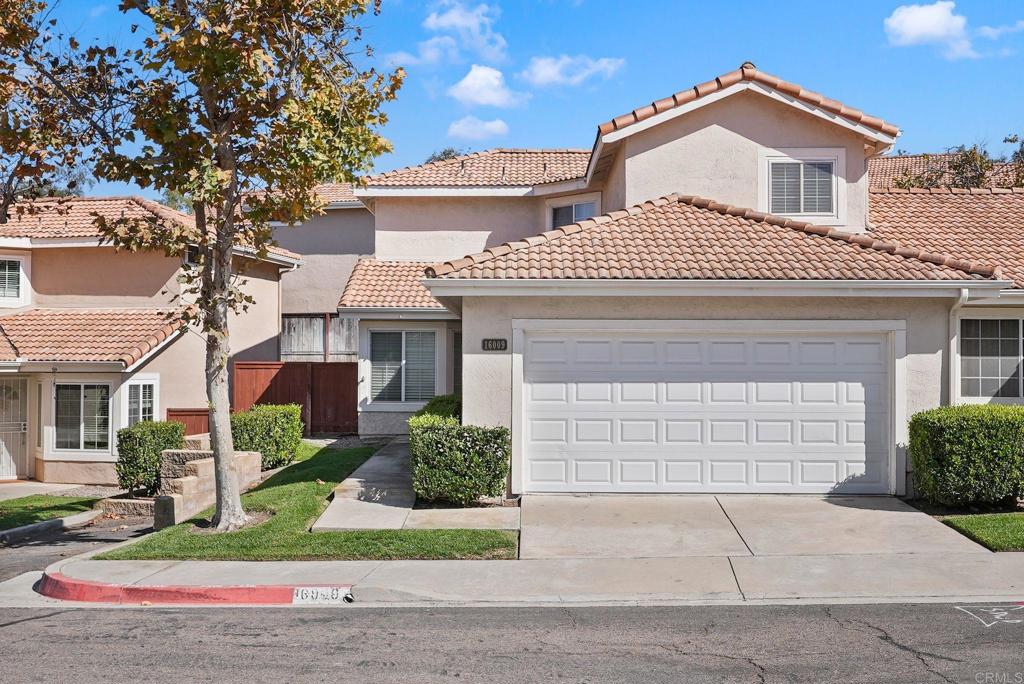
x: 878, y: 643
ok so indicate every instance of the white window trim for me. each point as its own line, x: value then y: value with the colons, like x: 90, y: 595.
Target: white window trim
x: 366, y: 402
x: 140, y: 379
x: 956, y: 396
x: 836, y: 155
x: 24, y: 297
x: 81, y: 428
x: 569, y: 200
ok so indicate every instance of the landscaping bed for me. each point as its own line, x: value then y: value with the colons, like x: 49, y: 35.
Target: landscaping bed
x: 41, y: 507
x: 293, y: 499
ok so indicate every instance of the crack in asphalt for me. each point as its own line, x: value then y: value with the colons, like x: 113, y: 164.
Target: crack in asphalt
x: 884, y: 636
x: 759, y: 669
x: 34, y: 618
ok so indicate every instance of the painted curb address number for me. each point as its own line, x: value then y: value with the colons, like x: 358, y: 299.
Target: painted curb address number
x: 320, y: 596
x: 495, y: 344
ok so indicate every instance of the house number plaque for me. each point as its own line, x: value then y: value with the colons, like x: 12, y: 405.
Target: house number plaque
x: 495, y: 344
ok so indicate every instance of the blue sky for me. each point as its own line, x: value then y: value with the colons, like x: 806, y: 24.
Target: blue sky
x: 544, y: 73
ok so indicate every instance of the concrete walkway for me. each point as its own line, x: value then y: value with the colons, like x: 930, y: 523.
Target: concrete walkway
x: 866, y: 578
x: 15, y: 489
x: 379, y: 496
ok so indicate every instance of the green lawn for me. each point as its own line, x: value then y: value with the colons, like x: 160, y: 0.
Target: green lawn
x: 997, y: 531
x: 297, y: 496
x: 39, y: 507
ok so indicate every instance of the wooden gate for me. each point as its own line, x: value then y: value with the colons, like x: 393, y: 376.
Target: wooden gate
x: 327, y: 392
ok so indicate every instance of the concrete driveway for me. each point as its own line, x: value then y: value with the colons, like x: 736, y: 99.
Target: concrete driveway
x: 676, y: 526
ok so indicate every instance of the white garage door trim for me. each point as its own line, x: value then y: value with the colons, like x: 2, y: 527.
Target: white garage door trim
x: 895, y: 330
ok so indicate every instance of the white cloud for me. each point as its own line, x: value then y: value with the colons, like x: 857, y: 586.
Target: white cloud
x: 566, y: 70
x: 484, y: 85
x: 997, y: 32
x: 472, y: 128
x: 98, y: 10
x: 934, y: 24
x: 431, y: 51
x: 473, y: 26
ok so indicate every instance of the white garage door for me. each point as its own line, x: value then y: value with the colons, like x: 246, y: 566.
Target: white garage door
x: 664, y: 412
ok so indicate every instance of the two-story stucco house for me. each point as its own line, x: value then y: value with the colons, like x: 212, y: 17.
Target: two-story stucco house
x: 713, y: 298
x: 90, y: 339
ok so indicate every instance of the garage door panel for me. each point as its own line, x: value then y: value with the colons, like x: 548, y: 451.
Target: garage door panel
x: 660, y: 412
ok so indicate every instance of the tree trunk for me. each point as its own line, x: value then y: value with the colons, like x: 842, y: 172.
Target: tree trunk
x: 217, y: 278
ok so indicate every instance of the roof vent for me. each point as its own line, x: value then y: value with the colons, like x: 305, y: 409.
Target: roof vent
x: 462, y: 167
x: 747, y: 65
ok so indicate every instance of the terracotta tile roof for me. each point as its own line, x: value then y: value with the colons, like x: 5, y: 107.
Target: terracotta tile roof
x: 336, y: 192
x: 682, y: 237
x: 884, y: 171
x: 74, y: 217
x: 377, y: 284
x: 499, y: 167
x: 748, y: 72
x: 986, y: 225
x: 91, y: 335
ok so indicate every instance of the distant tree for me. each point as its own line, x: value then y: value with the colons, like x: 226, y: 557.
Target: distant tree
x: 177, y: 200
x: 1016, y: 160
x: 969, y: 167
x: 444, y: 154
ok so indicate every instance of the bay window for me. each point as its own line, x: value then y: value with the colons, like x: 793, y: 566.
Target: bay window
x: 82, y: 416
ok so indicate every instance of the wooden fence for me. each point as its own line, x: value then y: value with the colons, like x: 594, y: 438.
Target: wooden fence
x: 196, y: 420
x: 327, y: 391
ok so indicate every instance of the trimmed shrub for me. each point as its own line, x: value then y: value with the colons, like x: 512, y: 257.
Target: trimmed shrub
x: 968, y: 454
x: 273, y: 430
x: 138, y: 453
x: 449, y: 405
x: 457, y: 463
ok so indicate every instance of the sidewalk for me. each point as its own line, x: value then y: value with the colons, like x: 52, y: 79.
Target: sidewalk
x: 651, y: 581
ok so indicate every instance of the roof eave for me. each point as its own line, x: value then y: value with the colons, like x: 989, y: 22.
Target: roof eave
x: 392, y: 312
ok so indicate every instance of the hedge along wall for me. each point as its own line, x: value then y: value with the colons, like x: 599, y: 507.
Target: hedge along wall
x: 454, y: 462
x: 968, y: 454
x: 138, y: 453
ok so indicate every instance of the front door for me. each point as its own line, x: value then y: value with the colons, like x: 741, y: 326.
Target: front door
x: 15, y: 460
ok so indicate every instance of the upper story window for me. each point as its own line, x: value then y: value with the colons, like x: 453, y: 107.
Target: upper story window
x: 13, y: 283
x: 563, y: 211
x: 804, y: 183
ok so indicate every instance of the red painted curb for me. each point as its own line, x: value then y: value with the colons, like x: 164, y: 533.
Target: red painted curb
x: 59, y: 586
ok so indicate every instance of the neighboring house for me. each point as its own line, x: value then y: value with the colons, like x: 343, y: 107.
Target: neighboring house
x: 710, y: 299
x: 90, y: 339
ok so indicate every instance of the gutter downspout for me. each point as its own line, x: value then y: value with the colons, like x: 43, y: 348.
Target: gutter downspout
x: 954, y: 343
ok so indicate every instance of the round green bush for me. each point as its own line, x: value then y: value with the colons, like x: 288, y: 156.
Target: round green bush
x: 138, y: 453
x: 273, y: 430
x: 457, y: 463
x: 970, y: 454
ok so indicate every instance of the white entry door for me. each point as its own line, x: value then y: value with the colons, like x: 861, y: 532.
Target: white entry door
x: 14, y: 457
x: 691, y: 412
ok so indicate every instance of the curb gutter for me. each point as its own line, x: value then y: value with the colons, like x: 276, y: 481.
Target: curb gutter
x: 17, y: 534
x: 59, y: 586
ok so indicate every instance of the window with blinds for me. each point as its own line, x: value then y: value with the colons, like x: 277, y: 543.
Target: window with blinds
x: 402, y: 365
x: 10, y: 278
x: 83, y: 417
x: 798, y: 187
x: 140, y: 402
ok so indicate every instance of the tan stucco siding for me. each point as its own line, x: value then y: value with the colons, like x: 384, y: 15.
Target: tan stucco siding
x: 255, y: 333
x: 330, y: 245
x: 435, y: 229
x: 487, y: 384
x: 102, y: 277
x: 713, y: 152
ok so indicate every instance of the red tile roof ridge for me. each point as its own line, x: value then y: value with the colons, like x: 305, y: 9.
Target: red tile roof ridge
x: 944, y: 190
x: 863, y: 240
x: 368, y: 180
x: 747, y: 72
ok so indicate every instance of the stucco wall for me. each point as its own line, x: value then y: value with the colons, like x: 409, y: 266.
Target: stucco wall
x: 102, y: 277
x: 487, y: 387
x: 434, y: 229
x: 713, y: 152
x: 330, y: 245
x: 255, y: 333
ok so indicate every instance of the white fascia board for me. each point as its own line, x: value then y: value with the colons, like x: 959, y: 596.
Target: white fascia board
x: 738, y: 88
x: 71, y: 366
x: 15, y: 243
x: 348, y: 204
x: 440, y: 191
x: 561, y: 186
x: 155, y: 350
x: 1012, y: 297
x: 466, y: 287
x: 270, y: 257
x: 392, y: 312
x: 42, y: 243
